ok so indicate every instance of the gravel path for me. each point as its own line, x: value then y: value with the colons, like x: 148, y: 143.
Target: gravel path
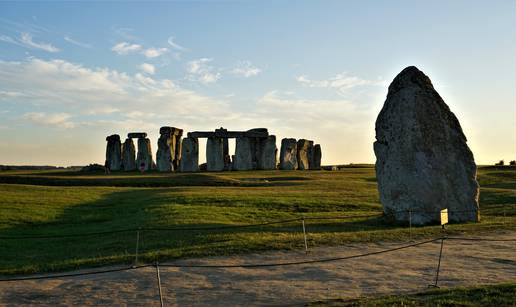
x: 465, y: 263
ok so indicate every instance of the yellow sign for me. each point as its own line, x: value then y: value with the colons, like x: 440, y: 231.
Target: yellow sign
x: 444, y: 216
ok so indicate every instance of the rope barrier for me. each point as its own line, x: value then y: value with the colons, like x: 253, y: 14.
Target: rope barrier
x: 75, y: 274
x: 257, y: 265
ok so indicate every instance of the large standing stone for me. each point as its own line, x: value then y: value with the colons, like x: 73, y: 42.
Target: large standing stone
x: 304, y: 153
x: 288, y: 154
x: 243, y: 159
x: 315, y: 163
x: 268, y: 153
x: 129, y: 155
x: 169, y: 149
x: 113, y: 152
x: 144, y: 156
x: 189, y: 155
x: 215, y: 154
x: 423, y: 163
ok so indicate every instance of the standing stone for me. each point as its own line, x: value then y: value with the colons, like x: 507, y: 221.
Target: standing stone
x: 128, y: 155
x: 113, y: 152
x: 144, y: 155
x: 268, y: 153
x: 304, y: 153
x: 168, y: 154
x: 315, y: 163
x: 243, y: 159
x: 423, y: 163
x: 189, y: 155
x: 215, y: 154
x: 288, y: 154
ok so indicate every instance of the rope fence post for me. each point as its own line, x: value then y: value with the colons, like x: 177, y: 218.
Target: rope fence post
x: 159, y: 284
x: 137, y: 246
x: 410, y: 224
x: 304, y: 234
x: 438, y: 265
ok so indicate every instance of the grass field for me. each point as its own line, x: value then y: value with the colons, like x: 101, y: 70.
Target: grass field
x: 497, y: 295
x: 64, y: 202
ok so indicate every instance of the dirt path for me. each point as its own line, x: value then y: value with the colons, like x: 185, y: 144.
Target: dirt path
x: 408, y: 270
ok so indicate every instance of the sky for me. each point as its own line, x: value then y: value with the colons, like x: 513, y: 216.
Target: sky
x: 72, y: 73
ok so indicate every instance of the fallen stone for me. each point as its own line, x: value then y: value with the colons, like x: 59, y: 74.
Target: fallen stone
x: 288, y: 154
x: 113, y: 152
x: 423, y: 163
x: 129, y: 155
x: 189, y: 155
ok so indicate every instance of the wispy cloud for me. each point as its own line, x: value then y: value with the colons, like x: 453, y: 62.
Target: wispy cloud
x: 341, y: 82
x: 148, y: 68
x: 60, y: 120
x: 76, y: 42
x: 175, y: 45
x: 126, y: 48
x: 27, y: 41
x: 154, y: 52
x: 201, y: 70
x: 245, y: 69
x: 26, y: 38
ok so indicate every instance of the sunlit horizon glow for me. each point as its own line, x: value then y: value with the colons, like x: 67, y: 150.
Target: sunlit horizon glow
x: 73, y: 73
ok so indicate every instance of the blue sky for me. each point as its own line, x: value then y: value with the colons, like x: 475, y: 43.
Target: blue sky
x: 72, y: 73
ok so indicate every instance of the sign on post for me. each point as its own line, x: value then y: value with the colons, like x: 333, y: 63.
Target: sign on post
x: 444, y: 217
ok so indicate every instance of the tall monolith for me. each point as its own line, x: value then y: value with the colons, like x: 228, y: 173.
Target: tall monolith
x: 423, y: 163
x: 129, y: 155
x: 113, y: 152
x: 267, y: 153
x: 144, y: 157
x: 169, y: 149
x: 315, y: 163
x: 288, y: 154
x: 243, y: 160
x: 189, y: 155
x: 304, y: 153
x: 215, y: 154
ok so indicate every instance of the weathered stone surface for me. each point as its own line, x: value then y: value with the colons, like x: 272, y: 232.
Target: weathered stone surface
x: 144, y: 156
x: 170, y: 130
x: 136, y: 135
x: 243, y: 159
x: 423, y: 163
x: 128, y: 155
x: 113, y: 152
x: 169, y: 149
x: 315, y: 163
x: 288, y: 154
x: 189, y: 155
x: 166, y: 152
x: 224, y: 133
x: 215, y: 154
x: 304, y: 153
x: 268, y: 153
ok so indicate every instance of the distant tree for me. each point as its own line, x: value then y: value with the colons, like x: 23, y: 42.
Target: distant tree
x: 501, y: 163
x: 512, y: 163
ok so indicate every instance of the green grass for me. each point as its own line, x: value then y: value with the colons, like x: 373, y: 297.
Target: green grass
x: 496, y: 295
x: 61, y: 202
